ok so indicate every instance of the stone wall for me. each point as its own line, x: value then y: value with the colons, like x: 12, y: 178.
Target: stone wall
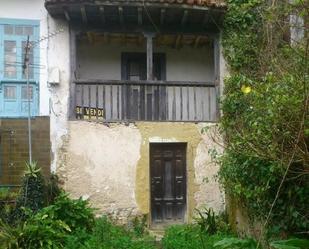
x: 14, y: 147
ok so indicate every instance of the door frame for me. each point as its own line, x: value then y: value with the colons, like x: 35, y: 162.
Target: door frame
x: 186, y: 205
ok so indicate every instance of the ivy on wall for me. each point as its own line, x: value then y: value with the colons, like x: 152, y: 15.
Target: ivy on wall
x: 266, y: 121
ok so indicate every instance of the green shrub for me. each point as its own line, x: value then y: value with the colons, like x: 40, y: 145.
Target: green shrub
x: 290, y: 244
x: 39, y: 231
x: 139, y: 225
x: 50, y: 226
x: 236, y: 243
x: 189, y: 237
x: 108, y: 235
x: 77, y: 214
x: 78, y: 239
x: 52, y: 188
x: 7, y: 203
x: 33, y: 190
x: 265, y: 114
x: 206, y: 220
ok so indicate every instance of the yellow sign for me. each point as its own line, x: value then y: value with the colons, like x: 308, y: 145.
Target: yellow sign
x: 89, y: 113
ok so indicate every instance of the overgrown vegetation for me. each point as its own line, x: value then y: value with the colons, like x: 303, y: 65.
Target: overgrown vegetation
x: 265, y: 124
x: 45, y: 217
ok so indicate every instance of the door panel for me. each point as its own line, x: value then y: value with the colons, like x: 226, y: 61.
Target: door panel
x: 168, y: 182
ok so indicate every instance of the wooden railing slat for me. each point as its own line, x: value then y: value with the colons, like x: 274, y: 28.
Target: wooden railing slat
x: 150, y: 102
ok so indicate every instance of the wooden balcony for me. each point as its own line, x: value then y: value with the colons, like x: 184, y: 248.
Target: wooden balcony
x: 117, y: 101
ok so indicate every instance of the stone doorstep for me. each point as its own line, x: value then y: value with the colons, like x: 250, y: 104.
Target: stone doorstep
x: 157, y: 233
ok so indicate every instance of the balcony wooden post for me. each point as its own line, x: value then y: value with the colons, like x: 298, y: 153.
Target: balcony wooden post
x: 149, y: 38
x: 217, y: 73
x: 72, y: 72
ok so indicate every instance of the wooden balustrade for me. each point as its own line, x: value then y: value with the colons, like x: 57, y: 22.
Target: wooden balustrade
x: 145, y: 101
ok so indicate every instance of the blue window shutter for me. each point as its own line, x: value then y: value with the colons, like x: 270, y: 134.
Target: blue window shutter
x: 14, y: 103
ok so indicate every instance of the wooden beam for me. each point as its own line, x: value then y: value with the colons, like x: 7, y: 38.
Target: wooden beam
x: 53, y: 7
x: 106, y: 37
x: 178, y: 40
x: 149, y: 37
x: 84, y: 14
x: 153, y: 4
x: 67, y: 15
x: 216, y: 55
x: 159, y: 39
x: 184, y: 17
x: 162, y: 16
x: 197, y: 41
x: 123, y: 39
x: 72, y: 72
x: 140, y: 40
x: 90, y: 36
x: 144, y: 82
x: 140, y: 16
x: 135, y: 29
x: 102, y: 13
x: 120, y: 12
x: 206, y: 19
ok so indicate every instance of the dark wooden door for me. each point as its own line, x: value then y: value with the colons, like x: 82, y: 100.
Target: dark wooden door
x: 168, y: 182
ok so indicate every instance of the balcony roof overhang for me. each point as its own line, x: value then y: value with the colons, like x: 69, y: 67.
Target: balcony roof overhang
x: 160, y: 16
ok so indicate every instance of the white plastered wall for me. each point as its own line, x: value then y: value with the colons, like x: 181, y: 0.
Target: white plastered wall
x: 53, y: 100
x: 103, y: 61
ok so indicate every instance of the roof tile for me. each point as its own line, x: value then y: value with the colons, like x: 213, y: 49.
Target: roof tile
x: 210, y: 3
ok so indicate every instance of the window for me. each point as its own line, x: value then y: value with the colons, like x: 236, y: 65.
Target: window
x: 10, y: 59
x: 10, y: 92
x: 13, y: 88
x: 24, y: 92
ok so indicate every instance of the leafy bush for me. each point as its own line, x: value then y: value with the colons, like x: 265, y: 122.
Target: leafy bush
x: 50, y: 226
x: 52, y: 188
x: 189, y: 237
x: 107, y: 235
x: 7, y: 203
x: 70, y: 224
x: 139, y: 225
x: 33, y: 191
x: 39, y: 231
x: 235, y: 243
x: 290, y: 244
x: 75, y: 213
x: 266, y: 119
x: 207, y: 221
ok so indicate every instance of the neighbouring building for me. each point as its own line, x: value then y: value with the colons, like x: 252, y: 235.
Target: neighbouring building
x: 131, y: 88
x: 18, y: 21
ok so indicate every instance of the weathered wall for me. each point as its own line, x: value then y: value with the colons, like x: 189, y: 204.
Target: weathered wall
x: 14, y: 147
x: 103, y: 61
x: 110, y: 165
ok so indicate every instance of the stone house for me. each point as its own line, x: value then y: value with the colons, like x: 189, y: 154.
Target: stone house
x: 131, y: 89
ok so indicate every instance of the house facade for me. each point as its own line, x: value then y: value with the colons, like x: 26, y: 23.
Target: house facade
x: 132, y: 91
x: 19, y: 21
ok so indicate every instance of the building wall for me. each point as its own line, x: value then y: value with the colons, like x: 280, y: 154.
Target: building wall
x: 33, y: 10
x: 109, y: 164
x: 14, y: 148
x: 53, y: 100
x: 103, y: 61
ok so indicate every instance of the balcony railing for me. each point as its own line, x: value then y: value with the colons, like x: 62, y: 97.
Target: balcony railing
x: 145, y: 101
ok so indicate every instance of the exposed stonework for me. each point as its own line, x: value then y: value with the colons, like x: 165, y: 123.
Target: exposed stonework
x: 209, y: 194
